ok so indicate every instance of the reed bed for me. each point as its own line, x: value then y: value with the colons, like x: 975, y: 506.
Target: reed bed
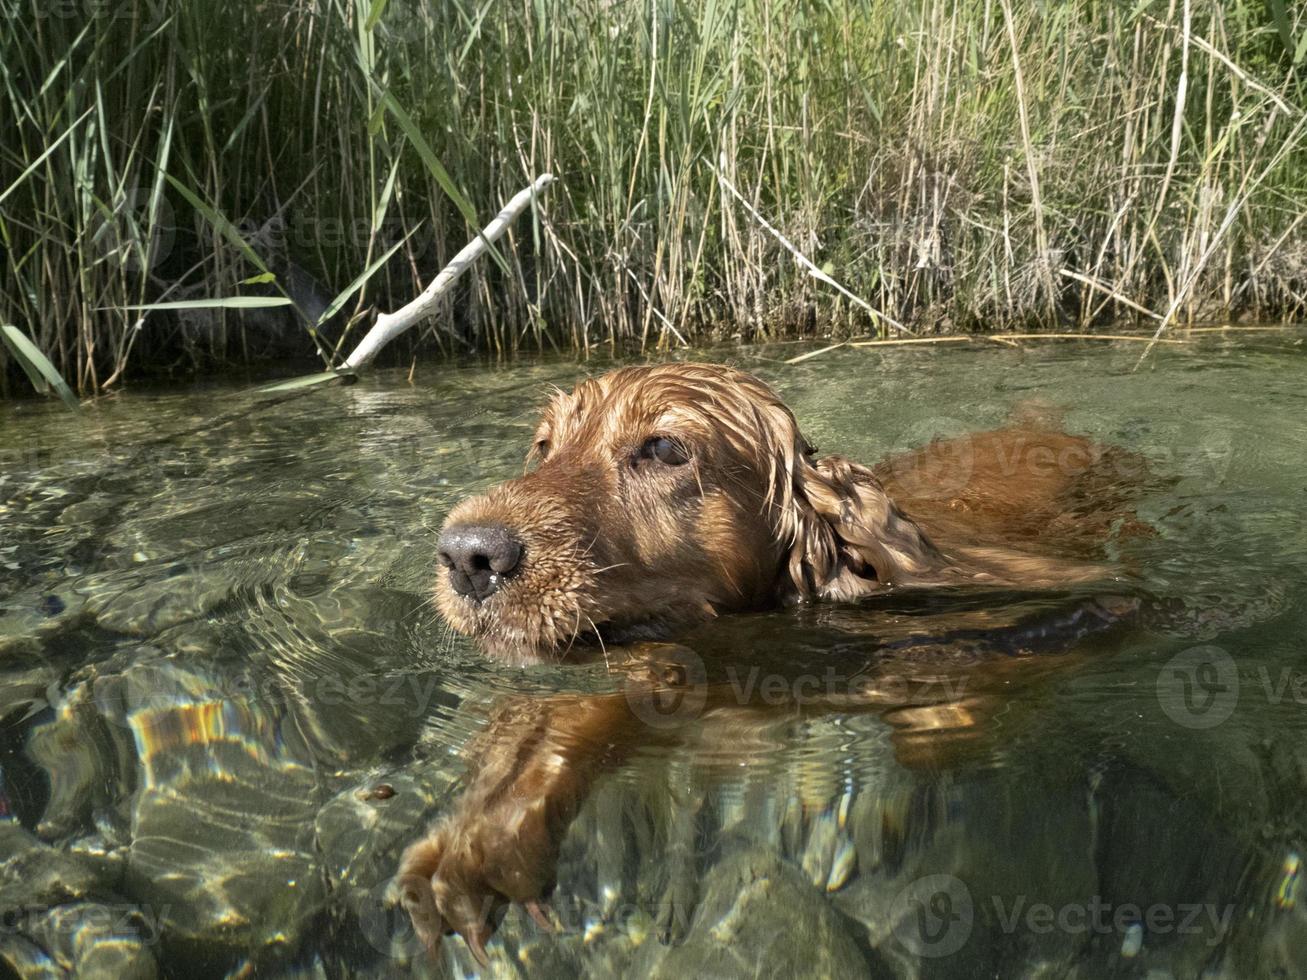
x: 956, y: 165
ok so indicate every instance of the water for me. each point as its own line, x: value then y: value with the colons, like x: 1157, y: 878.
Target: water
x: 228, y: 705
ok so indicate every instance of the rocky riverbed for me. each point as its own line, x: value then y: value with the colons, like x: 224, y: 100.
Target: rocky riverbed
x: 226, y: 706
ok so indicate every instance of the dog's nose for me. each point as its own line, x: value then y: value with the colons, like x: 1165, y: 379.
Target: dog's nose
x: 478, y: 557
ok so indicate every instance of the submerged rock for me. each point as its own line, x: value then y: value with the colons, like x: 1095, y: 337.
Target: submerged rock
x: 28, y: 960
x: 761, y: 917
x: 360, y: 834
x: 32, y: 618
x: 58, y: 918
x: 142, y: 605
x: 32, y: 873
x: 222, y: 822
x: 73, y: 750
x: 947, y: 873
x: 91, y: 940
x: 26, y: 689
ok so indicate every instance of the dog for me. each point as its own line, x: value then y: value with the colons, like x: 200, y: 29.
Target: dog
x: 658, y: 498
x: 665, y: 495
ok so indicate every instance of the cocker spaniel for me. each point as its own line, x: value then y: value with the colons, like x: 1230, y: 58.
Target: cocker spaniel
x: 665, y: 495
x: 659, y: 497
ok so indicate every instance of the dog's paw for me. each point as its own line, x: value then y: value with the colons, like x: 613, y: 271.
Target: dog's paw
x: 461, y: 876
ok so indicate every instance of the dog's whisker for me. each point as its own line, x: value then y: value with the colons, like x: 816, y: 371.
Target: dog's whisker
x: 576, y: 632
x: 600, y: 638
x: 427, y: 605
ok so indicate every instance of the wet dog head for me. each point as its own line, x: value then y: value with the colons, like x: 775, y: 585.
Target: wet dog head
x: 660, y: 496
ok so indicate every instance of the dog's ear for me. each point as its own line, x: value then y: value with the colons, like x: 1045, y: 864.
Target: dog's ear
x: 844, y: 535
x: 847, y: 538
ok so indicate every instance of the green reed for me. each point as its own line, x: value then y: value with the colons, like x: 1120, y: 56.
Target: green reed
x: 971, y: 164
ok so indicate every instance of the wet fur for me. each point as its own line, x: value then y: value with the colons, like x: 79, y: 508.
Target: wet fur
x: 619, y: 548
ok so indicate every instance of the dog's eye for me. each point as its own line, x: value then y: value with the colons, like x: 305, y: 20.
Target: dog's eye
x: 664, y: 450
x: 542, y: 448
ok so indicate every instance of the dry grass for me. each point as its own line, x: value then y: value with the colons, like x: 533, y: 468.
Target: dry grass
x: 955, y: 165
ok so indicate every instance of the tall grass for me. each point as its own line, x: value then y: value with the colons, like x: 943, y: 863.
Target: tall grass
x: 958, y: 164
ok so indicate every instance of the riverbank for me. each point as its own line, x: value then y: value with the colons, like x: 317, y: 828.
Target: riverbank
x: 954, y: 166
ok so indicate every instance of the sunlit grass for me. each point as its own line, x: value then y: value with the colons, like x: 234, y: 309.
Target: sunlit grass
x: 956, y: 165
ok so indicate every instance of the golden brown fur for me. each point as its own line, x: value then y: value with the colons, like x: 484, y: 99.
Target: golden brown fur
x: 622, y: 547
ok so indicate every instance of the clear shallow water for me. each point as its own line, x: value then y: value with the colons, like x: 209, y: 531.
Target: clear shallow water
x: 215, y: 645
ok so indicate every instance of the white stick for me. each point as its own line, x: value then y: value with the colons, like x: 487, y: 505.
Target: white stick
x: 391, y: 325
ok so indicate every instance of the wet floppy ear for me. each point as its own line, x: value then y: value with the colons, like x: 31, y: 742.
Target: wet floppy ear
x: 848, y: 538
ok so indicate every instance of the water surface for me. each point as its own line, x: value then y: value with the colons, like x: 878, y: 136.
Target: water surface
x: 227, y: 702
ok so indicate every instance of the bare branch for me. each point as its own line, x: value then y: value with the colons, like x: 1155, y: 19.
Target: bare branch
x: 391, y: 325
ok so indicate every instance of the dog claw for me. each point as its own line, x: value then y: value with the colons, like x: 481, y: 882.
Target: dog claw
x: 539, y: 913
x: 476, y: 942
x: 432, y: 945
